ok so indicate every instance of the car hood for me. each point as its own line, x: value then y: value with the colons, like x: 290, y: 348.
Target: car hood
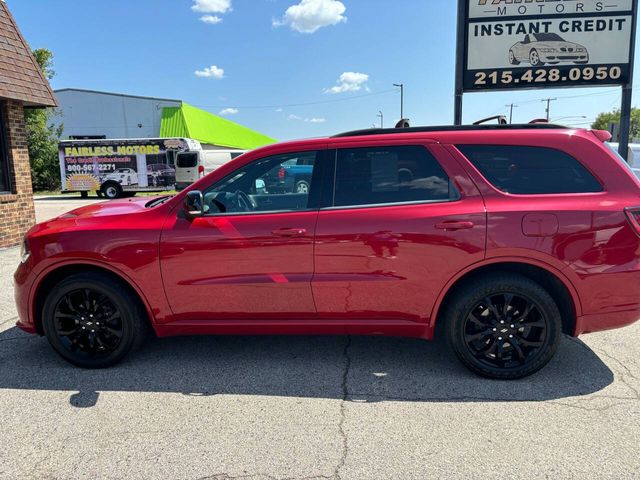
x: 557, y: 45
x: 109, y: 208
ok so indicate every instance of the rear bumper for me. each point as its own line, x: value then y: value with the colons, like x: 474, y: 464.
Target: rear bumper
x: 605, y: 321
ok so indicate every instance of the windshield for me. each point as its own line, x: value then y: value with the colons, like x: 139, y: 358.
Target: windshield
x: 548, y: 37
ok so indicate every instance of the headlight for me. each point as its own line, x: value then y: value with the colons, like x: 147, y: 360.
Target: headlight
x: 547, y: 50
x: 580, y: 49
x: 24, y: 251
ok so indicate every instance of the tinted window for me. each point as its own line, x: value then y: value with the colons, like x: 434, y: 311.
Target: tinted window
x: 530, y: 170
x: 187, y: 160
x: 369, y: 176
x: 278, y: 183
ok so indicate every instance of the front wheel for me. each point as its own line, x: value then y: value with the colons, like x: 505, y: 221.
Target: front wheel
x: 503, y: 326
x: 92, y: 321
x: 534, y: 58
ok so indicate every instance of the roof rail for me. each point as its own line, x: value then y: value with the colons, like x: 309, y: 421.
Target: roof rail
x: 449, y: 128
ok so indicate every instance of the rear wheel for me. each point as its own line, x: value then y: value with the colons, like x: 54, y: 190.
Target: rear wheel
x: 93, y: 321
x: 503, y: 326
x: 302, y: 186
x: 512, y: 58
x: 111, y: 190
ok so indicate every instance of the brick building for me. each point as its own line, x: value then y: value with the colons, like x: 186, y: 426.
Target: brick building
x: 22, y: 85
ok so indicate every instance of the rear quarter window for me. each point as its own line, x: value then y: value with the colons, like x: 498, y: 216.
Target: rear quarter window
x: 530, y: 170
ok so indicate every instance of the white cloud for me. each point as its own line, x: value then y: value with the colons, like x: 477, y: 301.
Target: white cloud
x: 298, y: 118
x: 310, y: 15
x: 229, y: 111
x: 210, y: 19
x: 350, y: 82
x: 210, y: 72
x: 211, y: 6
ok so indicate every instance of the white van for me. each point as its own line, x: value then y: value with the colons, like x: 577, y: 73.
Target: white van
x: 192, y: 166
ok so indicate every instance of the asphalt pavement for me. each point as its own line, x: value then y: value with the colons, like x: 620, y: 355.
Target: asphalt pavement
x: 313, y: 407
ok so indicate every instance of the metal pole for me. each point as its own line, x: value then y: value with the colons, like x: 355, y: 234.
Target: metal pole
x: 627, y: 92
x: 401, y: 85
x: 511, y: 107
x: 381, y: 115
x: 548, y: 109
x: 460, y: 59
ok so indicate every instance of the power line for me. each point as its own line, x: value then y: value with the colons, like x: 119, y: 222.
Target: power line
x: 345, y: 99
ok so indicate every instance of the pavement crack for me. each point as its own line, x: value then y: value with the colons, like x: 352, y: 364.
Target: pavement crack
x: 343, y: 405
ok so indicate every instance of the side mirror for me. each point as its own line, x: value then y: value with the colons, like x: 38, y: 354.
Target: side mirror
x: 193, y: 204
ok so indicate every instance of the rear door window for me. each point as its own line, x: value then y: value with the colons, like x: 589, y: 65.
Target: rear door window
x: 187, y: 160
x: 387, y: 175
x: 530, y: 170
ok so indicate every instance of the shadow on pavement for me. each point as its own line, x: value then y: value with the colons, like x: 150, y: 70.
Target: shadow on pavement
x: 376, y: 369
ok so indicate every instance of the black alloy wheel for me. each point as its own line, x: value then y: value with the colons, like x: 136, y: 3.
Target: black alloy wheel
x: 88, y: 323
x: 504, y: 330
x: 503, y: 325
x: 93, y: 320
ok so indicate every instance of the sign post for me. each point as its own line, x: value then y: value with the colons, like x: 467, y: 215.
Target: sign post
x: 508, y: 45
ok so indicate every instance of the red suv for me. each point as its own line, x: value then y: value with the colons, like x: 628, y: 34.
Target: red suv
x: 505, y: 237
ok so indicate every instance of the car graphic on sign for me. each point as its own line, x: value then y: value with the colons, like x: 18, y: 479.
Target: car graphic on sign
x: 550, y: 48
x: 124, y: 176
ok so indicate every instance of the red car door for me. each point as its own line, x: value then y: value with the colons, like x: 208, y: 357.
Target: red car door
x: 250, y: 256
x: 405, y: 218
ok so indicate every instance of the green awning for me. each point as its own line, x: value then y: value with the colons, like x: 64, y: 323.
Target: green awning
x: 191, y: 122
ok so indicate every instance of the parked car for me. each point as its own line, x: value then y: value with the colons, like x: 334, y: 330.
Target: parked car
x: 504, y: 237
x: 124, y: 176
x: 161, y: 174
x: 540, y: 48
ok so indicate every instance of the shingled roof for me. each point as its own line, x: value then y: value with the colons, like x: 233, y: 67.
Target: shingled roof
x: 20, y: 76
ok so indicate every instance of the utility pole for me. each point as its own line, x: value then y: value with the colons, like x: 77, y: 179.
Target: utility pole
x: 401, y: 85
x: 548, y: 109
x: 381, y: 115
x: 511, y: 107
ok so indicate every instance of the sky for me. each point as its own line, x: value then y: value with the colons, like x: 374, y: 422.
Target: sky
x: 286, y: 68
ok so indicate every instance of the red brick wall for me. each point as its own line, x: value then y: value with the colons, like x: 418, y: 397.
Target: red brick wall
x: 17, y: 212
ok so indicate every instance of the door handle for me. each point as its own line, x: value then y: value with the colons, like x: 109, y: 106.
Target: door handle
x: 453, y: 225
x: 290, y: 232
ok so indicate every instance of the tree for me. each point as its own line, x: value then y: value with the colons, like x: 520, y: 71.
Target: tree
x: 605, y: 118
x: 42, y: 136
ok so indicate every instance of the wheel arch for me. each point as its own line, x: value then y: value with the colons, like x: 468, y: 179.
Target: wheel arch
x: 551, y: 279
x: 48, y: 278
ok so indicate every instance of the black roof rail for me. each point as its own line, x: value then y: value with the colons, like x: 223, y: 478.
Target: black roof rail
x: 450, y: 128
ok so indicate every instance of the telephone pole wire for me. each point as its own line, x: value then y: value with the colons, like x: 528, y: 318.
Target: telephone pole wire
x: 401, y: 85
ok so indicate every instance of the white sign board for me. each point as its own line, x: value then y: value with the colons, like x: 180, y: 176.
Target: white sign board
x: 512, y: 44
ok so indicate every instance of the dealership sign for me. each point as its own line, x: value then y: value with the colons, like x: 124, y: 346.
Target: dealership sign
x: 513, y: 44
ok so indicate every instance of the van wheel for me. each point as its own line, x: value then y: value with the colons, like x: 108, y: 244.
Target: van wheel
x: 302, y: 186
x: 503, y: 326
x: 111, y: 190
x: 84, y: 194
x: 92, y: 320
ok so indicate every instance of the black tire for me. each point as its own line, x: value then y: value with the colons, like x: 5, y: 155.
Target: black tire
x: 100, y: 336
x: 111, y: 190
x: 84, y: 194
x: 301, y: 186
x: 512, y: 58
x: 522, y: 339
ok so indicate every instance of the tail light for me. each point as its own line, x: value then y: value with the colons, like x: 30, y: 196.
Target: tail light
x: 633, y: 215
x: 201, y: 170
x: 281, y: 174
